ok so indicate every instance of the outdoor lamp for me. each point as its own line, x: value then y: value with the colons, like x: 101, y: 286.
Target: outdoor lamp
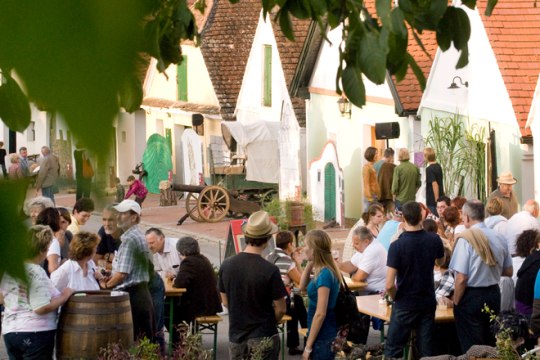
x: 453, y: 85
x: 344, y: 106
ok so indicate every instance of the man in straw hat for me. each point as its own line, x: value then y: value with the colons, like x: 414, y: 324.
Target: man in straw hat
x: 504, y: 192
x: 480, y: 257
x: 252, y: 289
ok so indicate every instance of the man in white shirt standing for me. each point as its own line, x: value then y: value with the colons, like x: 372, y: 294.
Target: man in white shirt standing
x: 521, y: 221
x: 165, y: 257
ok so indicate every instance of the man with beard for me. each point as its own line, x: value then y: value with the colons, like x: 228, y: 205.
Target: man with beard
x: 109, y: 234
x: 131, y: 270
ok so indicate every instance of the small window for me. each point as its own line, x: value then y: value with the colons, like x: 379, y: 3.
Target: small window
x: 31, y: 131
x: 267, y: 76
x: 181, y: 79
x: 124, y: 137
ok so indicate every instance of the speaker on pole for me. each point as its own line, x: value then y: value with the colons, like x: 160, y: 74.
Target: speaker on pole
x: 385, y: 131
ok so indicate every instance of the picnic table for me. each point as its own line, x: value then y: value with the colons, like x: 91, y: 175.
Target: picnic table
x: 171, y: 293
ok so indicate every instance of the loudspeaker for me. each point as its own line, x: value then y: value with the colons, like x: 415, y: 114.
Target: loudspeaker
x: 197, y: 119
x: 385, y: 131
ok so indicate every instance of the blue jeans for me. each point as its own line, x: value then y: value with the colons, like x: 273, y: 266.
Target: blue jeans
x: 157, y: 291
x: 37, y: 345
x: 322, y: 350
x: 243, y: 350
x: 48, y: 192
x: 402, y: 322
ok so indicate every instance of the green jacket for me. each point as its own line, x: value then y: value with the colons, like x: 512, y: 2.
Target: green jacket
x: 406, y: 182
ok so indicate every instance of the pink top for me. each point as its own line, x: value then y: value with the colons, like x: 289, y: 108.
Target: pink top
x: 138, y: 189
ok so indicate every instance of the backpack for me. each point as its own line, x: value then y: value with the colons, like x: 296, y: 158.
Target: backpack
x: 352, y: 323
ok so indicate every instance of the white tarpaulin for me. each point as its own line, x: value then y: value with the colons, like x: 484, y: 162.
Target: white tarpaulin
x: 259, y: 142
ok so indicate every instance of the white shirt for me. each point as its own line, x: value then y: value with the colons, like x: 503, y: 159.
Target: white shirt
x: 164, y: 262
x: 21, y: 301
x: 373, y: 262
x: 54, y: 249
x: 70, y: 274
x: 518, y: 223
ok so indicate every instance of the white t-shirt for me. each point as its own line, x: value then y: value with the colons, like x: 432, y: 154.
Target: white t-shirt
x: 70, y: 274
x: 166, y: 261
x: 54, y: 249
x: 373, y: 262
x: 21, y: 301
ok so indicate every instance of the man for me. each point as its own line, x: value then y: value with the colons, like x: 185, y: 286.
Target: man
x: 132, y: 268
x: 406, y: 180
x: 25, y: 166
x: 385, y: 176
x: 165, y: 257
x: 504, y: 192
x: 252, y: 289
x: 369, y: 263
x: 81, y: 213
x: 480, y: 258
x: 443, y: 203
x: 521, y: 221
x: 84, y: 183
x: 414, y: 300
x: 109, y: 234
x: 48, y: 174
x: 434, y: 180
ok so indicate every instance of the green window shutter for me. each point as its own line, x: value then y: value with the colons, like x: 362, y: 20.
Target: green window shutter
x: 181, y: 79
x: 168, y: 137
x: 329, y: 192
x: 267, y: 73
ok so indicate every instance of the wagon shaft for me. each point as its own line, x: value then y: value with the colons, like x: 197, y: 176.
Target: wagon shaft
x: 188, y: 188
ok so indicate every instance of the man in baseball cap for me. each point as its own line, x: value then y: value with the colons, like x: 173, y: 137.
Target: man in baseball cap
x: 504, y: 192
x: 252, y: 289
x: 131, y: 269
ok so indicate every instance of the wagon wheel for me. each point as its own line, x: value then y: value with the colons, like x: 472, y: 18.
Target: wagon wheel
x: 267, y: 197
x: 214, y: 203
x: 191, y: 207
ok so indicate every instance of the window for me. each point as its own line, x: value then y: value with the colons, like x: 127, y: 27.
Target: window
x: 267, y: 76
x: 181, y: 79
x: 31, y: 131
x: 124, y: 136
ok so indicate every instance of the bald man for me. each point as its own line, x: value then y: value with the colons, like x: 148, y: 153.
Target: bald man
x: 521, y: 221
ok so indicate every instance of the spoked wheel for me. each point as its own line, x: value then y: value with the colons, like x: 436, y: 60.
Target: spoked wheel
x: 267, y: 197
x: 214, y: 203
x: 191, y: 207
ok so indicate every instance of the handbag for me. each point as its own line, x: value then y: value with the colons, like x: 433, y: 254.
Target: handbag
x: 87, y: 170
x: 351, y: 323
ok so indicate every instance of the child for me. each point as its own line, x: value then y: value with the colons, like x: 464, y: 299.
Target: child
x: 136, y: 187
x: 120, y: 191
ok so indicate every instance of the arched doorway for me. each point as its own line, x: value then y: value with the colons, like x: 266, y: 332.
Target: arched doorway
x: 329, y: 192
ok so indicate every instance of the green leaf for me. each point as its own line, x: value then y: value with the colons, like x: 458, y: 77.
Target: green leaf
x: 462, y: 28
x: 318, y: 6
x: 398, y: 25
x: 417, y: 71
x: 436, y: 12
x: 151, y: 38
x: 297, y: 9
x: 353, y: 86
x: 383, y: 10
x: 421, y: 44
x: 401, y: 70
x: 13, y: 228
x: 285, y: 24
x: 445, y: 31
x: 131, y: 94
x: 372, y: 56
x: 397, y: 49
x: 463, y: 58
x: 490, y: 6
x: 14, y: 106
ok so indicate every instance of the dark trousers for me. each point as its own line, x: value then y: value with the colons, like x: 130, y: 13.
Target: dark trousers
x: 37, y: 345
x: 142, y: 311
x: 157, y: 291
x: 472, y: 324
x: 402, y: 322
x: 48, y: 192
x: 139, y: 200
x: 84, y: 187
x: 297, y: 311
x: 4, y: 170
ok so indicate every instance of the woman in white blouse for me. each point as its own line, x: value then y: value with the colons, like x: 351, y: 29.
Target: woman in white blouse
x: 79, y: 273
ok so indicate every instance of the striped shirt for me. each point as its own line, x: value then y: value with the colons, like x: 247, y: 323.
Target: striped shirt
x: 284, y: 263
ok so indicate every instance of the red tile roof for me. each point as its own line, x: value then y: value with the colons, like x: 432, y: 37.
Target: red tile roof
x: 514, y: 32
x: 226, y: 43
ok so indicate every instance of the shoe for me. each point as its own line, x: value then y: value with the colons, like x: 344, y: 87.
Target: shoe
x: 295, y: 351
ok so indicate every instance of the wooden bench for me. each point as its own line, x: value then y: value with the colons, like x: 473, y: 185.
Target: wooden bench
x: 282, y: 329
x: 208, y: 325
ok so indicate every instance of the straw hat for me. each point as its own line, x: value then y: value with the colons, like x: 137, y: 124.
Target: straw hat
x: 506, y: 178
x: 259, y: 225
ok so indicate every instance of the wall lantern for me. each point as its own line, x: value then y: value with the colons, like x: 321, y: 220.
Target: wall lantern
x: 344, y: 106
x: 453, y: 85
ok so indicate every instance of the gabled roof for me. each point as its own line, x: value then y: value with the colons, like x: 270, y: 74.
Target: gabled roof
x: 514, y: 33
x: 226, y: 43
x: 294, y: 55
x: 407, y: 93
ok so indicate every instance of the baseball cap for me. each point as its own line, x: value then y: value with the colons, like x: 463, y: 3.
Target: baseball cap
x: 127, y: 205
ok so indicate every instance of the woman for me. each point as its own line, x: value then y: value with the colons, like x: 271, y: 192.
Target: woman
x: 452, y: 218
x: 495, y: 220
x: 34, y: 206
x: 372, y: 191
x: 373, y: 218
x: 65, y: 221
x: 197, y: 276
x: 15, y: 171
x: 31, y: 310
x: 526, y: 274
x: 51, y: 217
x: 79, y: 273
x: 322, y: 291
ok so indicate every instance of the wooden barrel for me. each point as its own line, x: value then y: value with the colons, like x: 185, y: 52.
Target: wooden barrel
x: 92, y: 319
x: 296, y: 214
